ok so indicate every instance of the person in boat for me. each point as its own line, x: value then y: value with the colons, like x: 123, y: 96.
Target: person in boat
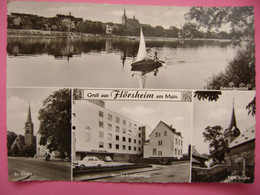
x: 155, y: 56
x: 156, y: 72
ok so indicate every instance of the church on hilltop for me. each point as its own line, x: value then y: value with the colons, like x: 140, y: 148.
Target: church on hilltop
x: 25, y: 144
x: 130, y: 22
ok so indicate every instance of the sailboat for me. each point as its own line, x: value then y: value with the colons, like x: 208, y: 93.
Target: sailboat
x: 142, y: 62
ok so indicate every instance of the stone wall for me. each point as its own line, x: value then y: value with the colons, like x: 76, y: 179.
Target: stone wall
x: 214, y: 174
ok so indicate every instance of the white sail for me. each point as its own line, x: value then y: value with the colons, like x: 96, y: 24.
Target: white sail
x: 142, y: 49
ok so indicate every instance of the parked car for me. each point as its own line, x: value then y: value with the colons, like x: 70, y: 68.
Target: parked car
x: 88, y: 162
x: 108, y: 159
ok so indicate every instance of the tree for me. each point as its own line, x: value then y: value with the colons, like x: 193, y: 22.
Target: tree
x: 55, y: 122
x: 240, y: 71
x: 251, y: 107
x: 207, y: 95
x: 239, y: 19
x: 218, y: 146
x: 11, y: 136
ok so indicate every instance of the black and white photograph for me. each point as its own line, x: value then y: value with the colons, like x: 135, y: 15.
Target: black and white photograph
x: 39, y: 134
x: 223, y: 142
x: 55, y: 44
x: 131, y: 141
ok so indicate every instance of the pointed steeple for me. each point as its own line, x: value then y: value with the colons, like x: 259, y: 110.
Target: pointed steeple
x: 124, y: 13
x: 233, y: 122
x: 29, y: 117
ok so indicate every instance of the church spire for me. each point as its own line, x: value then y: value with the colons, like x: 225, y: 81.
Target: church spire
x: 124, y: 13
x: 233, y: 117
x: 29, y: 117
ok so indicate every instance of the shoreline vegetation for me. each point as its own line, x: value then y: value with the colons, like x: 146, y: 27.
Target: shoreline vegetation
x: 62, y: 34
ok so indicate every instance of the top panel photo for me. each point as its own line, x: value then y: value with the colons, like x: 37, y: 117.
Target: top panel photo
x: 54, y: 44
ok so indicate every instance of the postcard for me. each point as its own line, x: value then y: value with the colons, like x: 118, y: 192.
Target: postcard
x: 130, y: 93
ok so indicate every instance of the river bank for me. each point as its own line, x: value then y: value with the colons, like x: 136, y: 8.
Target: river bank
x: 42, y: 33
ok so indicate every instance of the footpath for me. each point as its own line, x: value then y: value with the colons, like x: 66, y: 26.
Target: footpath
x: 103, y: 175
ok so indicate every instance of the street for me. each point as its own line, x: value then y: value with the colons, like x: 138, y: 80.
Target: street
x: 38, y: 169
x: 179, y: 172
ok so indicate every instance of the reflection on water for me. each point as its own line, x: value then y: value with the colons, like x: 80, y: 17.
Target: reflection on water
x: 96, y: 62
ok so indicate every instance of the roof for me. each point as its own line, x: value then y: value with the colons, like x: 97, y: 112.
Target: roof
x: 245, y: 136
x: 170, y: 128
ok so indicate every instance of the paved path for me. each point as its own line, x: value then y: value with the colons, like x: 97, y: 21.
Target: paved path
x: 158, y: 173
x: 37, y: 169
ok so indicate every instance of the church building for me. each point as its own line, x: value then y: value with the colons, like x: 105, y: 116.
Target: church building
x: 28, y: 139
x: 242, y: 145
x: 130, y: 22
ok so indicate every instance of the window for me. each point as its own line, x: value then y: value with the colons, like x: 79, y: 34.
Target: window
x: 129, y: 140
x: 135, y: 141
x: 139, y: 141
x: 165, y: 133
x: 109, y: 117
x: 175, y: 151
x: 160, y: 142
x: 156, y: 135
x: 74, y: 127
x: 123, y: 139
x: 124, y: 122
x: 175, y: 140
x: 124, y: 130
x: 109, y: 127
x: 159, y: 153
x: 135, y: 126
x: 101, y: 124
x: 139, y: 134
x: 178, y: 152
x: 101, y: 114
x: 139, y: 149
x: 117, y: 120
x: 129, y: 132
x: 109, y: 145
x: 181, y: 142
x: 109, y: 136
x: 74, y: 114
x: 159, y: 134
x: 154, y: 151
x: 117, y: 129
x: 134, y: 148
x: 117, y: 146
x: 101, y: 134
x: 123, y: 147
x: 181, y: 151
x: 101, y: 145
x: 117, y: 137
x: 129, y: 147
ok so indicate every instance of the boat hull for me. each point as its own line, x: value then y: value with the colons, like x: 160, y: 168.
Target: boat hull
x: 146, y: 65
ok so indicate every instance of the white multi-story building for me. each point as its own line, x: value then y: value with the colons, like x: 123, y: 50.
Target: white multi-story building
x: 100, y: 132
x: 164, y: 141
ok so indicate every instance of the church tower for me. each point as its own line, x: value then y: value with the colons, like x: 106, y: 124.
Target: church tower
x: 232, y: 131
x: 28, y: 135
x: 124, y: 18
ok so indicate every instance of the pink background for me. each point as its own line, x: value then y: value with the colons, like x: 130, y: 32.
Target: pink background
x: 7, y: 187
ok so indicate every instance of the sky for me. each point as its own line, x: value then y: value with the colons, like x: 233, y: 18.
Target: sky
x: 165, y: 16
x: 177, y: 114
x: 18, y: 100
x: 219, y: 113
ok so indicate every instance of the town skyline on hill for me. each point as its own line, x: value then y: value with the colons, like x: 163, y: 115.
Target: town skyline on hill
x: 153, y: 15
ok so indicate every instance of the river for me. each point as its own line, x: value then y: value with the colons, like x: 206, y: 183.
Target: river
x: 97, y: 62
